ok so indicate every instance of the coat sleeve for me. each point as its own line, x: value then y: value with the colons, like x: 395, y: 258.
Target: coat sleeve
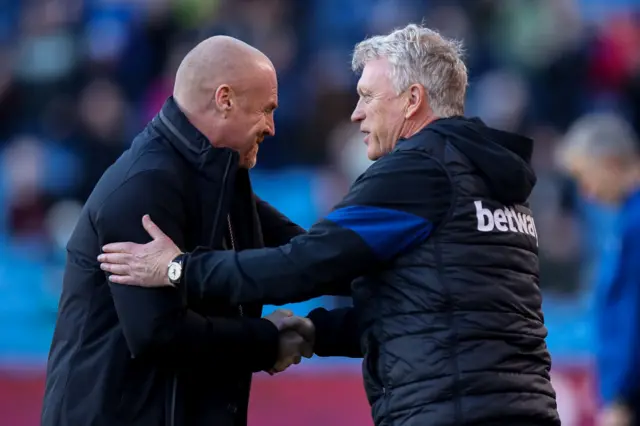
x: 337, y: 332
x: 279, y: 230
x: 390, y: 209
x: 158, y: 321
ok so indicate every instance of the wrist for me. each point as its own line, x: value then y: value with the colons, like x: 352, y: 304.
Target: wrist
x: 175, y: 270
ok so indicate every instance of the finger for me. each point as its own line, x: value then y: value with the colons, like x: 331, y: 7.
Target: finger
x: 115, y: 268
x: 286, y: 312
x: 280, y: 367
x: 283, y: 363
x: 152, y: 229
x: 289, y: 324
x: 119, y: 248
x: 122, y: 279
x: 306, y: 350
x: 120, y: 258
x: 302, y: 326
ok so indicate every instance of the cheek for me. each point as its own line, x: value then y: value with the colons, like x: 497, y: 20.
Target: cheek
x: 385, y: 116
x: 251, y: 128
x: 259, y: 125
x: 375, y: 121
x: 373, y: 113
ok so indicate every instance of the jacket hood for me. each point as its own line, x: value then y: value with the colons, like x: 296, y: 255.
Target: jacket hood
x: 503, y: 158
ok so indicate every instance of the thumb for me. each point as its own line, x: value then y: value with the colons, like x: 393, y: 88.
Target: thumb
x: 306, y: 350
x: 297, y: 324
x: 285, y: 312
x: 152, y: 229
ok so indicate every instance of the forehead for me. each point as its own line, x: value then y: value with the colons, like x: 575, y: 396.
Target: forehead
x: 265, y: 85
x: 375, y: 75
x: 267, y: 74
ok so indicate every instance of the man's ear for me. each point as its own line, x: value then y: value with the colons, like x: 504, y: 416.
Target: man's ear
x: 417, y: 97
x: 224, y: 98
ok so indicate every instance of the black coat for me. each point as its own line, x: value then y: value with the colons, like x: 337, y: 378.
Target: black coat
x: 125, y: 355
x: 447, y: 309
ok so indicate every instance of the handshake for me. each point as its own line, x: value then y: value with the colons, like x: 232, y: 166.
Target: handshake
x: 297, y: 335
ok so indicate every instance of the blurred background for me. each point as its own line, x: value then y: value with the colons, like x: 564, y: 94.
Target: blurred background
x: 79, y: 78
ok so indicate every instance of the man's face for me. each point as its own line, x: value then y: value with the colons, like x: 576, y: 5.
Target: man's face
x: 380, y: 110
x: 600, y: 180
x: 252, y: 119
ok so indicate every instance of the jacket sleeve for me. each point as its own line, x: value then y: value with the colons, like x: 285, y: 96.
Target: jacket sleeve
x: 279, y: 230
x: 618, y: 355
x: 157, y: 321
x: 391, y: 208
x: 337, y: 332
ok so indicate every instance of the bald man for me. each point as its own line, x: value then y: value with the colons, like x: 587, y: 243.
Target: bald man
x: 131, y: 356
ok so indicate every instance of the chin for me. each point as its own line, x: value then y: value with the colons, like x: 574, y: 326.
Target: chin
x: 373, y: 155
x: 248, y: 162
x: 250, y: 158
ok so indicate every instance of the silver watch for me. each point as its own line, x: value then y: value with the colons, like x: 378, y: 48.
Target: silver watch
x: 174, y: 271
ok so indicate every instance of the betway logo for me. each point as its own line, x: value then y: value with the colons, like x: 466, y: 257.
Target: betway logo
x: 505, y: 220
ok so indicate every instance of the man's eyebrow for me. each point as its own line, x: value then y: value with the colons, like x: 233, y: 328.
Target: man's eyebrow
x: 362, y: 91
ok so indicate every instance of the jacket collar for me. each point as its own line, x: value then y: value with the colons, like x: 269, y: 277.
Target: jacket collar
x: 416, y: 140
x: 196, y: 149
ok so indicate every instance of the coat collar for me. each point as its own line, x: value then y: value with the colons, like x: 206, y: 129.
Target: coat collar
x: 196, y: 149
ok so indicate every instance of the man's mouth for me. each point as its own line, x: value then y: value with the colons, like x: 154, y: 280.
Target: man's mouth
x: 366, y: 137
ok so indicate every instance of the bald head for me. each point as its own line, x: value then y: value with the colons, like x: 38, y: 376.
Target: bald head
x: 216, y: 61
x: 228, y: 91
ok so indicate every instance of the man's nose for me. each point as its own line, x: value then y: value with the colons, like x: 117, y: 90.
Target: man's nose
x: 357, y: 115
x: 271, y: 131
x: 271, y: 127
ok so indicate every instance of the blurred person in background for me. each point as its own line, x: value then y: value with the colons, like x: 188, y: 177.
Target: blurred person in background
x: 130, y: 356
x: 601, y: 152
x: 102, y: 128
x: 447, y: 310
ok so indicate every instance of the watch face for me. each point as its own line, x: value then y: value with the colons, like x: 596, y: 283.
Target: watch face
x: 175, y: 270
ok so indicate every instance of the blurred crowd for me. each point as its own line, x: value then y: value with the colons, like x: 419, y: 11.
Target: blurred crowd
x: 79, y: 78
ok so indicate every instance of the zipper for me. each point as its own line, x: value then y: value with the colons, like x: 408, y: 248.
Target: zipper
x: 232, y: 407
x: 233, y: 247
x: 176, y: 132
x: 219, y: 209
x: 174, y: 391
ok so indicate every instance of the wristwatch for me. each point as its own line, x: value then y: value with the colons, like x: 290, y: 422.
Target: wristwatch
x: 174, y: 271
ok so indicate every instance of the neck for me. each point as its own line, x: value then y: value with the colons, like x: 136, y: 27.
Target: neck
x: 414, y: 126
x: 194, y: 119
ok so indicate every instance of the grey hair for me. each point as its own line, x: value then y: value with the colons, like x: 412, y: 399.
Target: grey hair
x: 420, y: 55
x: 598, y: 135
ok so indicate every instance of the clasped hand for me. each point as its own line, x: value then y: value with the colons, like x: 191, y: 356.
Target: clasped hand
x: 297, y: 335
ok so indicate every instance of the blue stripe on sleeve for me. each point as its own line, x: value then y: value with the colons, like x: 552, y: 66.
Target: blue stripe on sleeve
x: 388, y: 232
